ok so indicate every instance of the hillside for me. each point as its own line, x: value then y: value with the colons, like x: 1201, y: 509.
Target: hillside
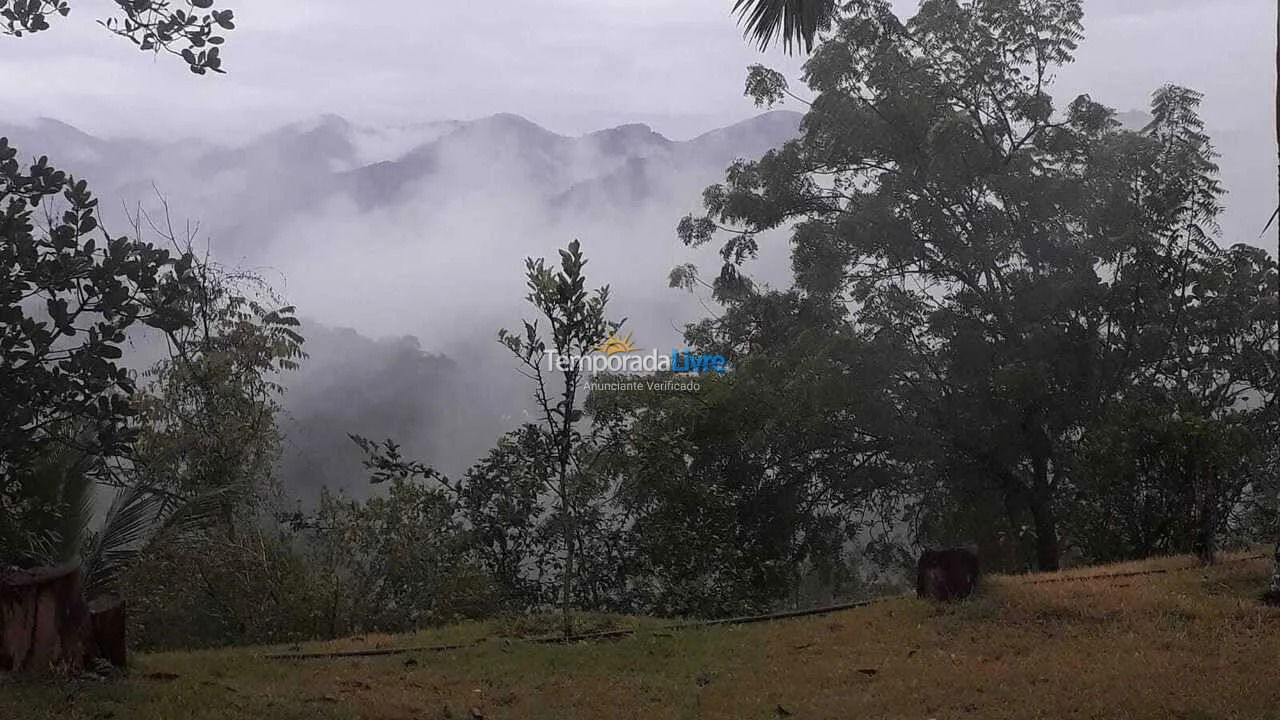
x: 1177, y: 642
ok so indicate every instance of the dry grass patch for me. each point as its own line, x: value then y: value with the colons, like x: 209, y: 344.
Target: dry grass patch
x: 1190, y: 644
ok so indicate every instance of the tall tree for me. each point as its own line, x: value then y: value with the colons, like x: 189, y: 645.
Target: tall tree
x: 69, y: 294
x: 576, y: 325
x: 1032, y: 251
x: 67, y: 301
x: 1273, y: 590
x: 66, y: 304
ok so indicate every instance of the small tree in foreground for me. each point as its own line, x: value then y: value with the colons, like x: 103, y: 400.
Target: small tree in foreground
x: 576, y: 322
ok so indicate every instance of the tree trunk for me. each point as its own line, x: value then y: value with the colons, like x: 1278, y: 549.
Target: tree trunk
x: 1013, y: 552
x: 1272, y: 596
x: 565, y: 456
x: 1206, y: 542
x: 43, y: 619
x: 567, y: 591
x: 1041, y: 502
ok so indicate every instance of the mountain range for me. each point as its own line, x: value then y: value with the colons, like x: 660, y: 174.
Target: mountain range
x: 244, y: 192
x: 403, y: 249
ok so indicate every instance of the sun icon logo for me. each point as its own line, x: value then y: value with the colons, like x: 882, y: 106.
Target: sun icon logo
x: 614, y: 344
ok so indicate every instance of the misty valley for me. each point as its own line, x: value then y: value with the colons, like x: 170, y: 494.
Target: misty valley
x: 933, y: 378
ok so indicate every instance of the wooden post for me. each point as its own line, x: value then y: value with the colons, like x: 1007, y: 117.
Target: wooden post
x: 106, y: 638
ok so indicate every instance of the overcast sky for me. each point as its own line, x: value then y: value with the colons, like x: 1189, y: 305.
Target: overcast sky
x: 574, y: 66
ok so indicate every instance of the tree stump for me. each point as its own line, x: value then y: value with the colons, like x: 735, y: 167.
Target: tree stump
x: 107, y: 630
x: 43, y: 619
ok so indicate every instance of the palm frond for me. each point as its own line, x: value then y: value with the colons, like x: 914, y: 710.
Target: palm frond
x: 200, y: 511
x: 1270, y: 222
x: 132, y: 516
x: 795, y: 22
x: 138, y: 518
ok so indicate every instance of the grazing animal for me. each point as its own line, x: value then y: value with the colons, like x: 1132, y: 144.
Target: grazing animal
x: 946, y: 575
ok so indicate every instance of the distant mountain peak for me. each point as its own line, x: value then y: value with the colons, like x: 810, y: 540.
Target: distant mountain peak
x: 327, y: 124
x: 333, y: 120
x: 51, y: 125
x: 628, y: 129
x: 626, y: 139
x: 766, y: 121
x: 506, y: 119
x: 54, y: 122
x: 510, y: 117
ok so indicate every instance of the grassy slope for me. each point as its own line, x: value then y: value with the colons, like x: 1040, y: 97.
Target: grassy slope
x: 1188, y: 644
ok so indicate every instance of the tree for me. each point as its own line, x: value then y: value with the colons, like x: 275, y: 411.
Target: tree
x: 395, y: 562
x: 49, y: 509
x: 209, y: 411
x: 47, y: 376
x: 501, y: 501
x: 576, y: 324
x: 60, y: 377
x: 55, y: 373
x: 209, y: 440
x: 189, y: 29
x: 63, y: 392
x: 1031, y: 259
x: 744, y: 491
x: 69, y: 294
x: 79, y: 419
x: 1273, y: 590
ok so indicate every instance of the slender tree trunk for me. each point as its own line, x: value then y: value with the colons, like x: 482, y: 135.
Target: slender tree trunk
x: 1012, y: 552
x: 570, y: 521
x: 1272, y: 596
x: 1204, y: 487
x: 1273, y: 593
x: 566, y: 600
x: 1016, y: 497
x: 1206, y: 543
x: 1042, y: 513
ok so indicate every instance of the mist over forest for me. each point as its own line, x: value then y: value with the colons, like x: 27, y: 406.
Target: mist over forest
x: 403, y: 249
x: 599, y: 358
